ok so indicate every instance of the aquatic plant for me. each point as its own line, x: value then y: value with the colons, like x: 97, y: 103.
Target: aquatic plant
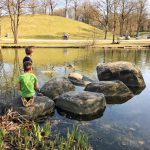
x: 33, y: 136
x: 47, y: 129
x: 2, y: 135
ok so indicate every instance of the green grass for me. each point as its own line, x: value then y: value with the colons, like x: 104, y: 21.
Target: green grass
x: 142, y: 33
x: 50, y: 27
x: 43, y: 138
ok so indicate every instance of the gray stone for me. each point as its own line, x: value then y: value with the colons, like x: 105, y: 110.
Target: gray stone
x: 81, y: 103
x: 73, y: 116
x: 57, y: 86
x: 2, y: 106
x: 79, y: 80
x: 126, y: 72
x: 41, y: 107
x: 116, y: 92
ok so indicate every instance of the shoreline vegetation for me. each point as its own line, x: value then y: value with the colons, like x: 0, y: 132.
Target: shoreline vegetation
x: 125, y: 44
x: 18, y: 133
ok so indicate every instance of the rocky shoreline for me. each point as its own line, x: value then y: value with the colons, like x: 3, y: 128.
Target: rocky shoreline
x: 118, y: 82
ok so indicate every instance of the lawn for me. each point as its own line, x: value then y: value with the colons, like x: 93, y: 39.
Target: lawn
x: 50, y: 27
x: 48, y: 31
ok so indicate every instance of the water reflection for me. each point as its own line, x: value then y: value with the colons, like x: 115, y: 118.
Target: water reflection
x: 125, y: 126
x: 8, y: 78
x: 53, y: 64
x: 117, y: 101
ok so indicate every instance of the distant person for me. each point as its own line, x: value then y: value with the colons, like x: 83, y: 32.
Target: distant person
x: 28, y: 51
x: 28, y: 85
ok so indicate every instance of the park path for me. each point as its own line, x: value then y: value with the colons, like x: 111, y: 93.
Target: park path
x: 73, y: 41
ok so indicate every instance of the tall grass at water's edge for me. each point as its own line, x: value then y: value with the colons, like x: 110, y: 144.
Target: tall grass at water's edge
x: 35, y: 137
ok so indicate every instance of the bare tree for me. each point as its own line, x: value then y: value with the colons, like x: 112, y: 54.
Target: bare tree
x: 44, y: 5
x: 75, y: 7
x: 66, y: 8
x: 125, y: 8
x: 86, y: 11
x: 51, y: 4
x: 59, y: 12
x: 141, y: 12
x: 103, y: 14
x: 131, y: 24
x: 47, y: 6
x: 114, y: 12
x: 32, y: 5
x: 15, y: 9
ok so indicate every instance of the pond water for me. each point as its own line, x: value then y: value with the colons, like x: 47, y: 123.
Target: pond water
x: 122, y: 126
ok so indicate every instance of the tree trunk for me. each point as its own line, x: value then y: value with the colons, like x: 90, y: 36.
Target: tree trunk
x: 107, y: 19
x: 15, y: 38
x: 75, y: 13
x: 113, y: 39
x: 138, y: 30
x: 114, y: 19
x: 141, y: 11
x: 49, y: 11
x: 33, y: 11
x: 106, y: 31
x: 45, y: 10
x: 52, y: 11
x: 0, y: 28
x: 121, y: 28
x: 114, y: 29
x: 66, y: 9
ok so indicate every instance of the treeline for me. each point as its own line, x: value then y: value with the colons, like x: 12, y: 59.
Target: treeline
x: 121, y: 17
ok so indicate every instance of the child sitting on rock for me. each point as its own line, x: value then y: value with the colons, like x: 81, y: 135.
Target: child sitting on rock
x: 28, y: 84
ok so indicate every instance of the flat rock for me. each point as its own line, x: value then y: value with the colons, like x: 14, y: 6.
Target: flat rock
x: 81, y: 103
x: 57, y: 86
x: 126, y: 72
x: 116, y: 92
x: 79, y: 80
x: 41, y: 107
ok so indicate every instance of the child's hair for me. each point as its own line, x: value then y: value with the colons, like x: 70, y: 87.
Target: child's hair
x: 27, y: 66
x: 28, y: 50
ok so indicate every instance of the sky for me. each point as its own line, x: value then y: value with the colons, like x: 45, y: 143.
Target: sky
x: 62, y: 2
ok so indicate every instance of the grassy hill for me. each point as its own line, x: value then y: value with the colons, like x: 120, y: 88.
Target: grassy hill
x: 51, y: 27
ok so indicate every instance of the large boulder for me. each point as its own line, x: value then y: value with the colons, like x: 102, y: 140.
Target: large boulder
x: 78, y: 117
x: 79, y: 80
x: 116, y: 92
x: 41, y: 107
x: 57, y: 86
x: 81, y: 103
x: 126, y: 72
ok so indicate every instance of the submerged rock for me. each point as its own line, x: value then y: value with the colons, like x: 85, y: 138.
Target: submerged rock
x: 57, y: 86
x: 126, y: 72
x: 79, y: 80
x: 81, y: 103
x: 116, y: 92
x: 80, y: 117
x: 41, y: 107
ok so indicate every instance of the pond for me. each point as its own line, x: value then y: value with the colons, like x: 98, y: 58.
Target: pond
x: 122, y: 126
